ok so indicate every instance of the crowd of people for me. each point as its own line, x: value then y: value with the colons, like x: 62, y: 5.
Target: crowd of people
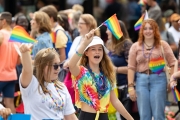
x: 93, y: 69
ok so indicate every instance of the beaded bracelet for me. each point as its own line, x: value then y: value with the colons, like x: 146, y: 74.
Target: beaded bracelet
x: 130, y: 89
x: 80, y: 55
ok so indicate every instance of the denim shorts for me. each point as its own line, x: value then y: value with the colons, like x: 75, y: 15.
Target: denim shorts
x: 7, y: 88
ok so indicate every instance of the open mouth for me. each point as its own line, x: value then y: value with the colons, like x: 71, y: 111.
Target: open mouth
x: 97, y: 57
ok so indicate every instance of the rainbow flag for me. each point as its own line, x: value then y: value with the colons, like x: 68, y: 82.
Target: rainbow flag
x: 19, y: 34
x: 53, y: 37
x: 176, y: 94
x: 113, y: 25
x: 157, y: 65
x: 138, y: 24
x: 142, y: 2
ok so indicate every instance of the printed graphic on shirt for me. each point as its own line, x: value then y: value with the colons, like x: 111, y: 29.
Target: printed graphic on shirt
x: 54, y: 103
x: 157, y: 65
x: 86, y: 91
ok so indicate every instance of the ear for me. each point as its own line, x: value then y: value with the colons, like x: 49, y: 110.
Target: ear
x: 86, y: 52
x: 3, y: 21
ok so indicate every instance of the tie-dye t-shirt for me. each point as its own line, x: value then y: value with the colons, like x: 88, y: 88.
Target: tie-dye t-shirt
x: 86, y: 91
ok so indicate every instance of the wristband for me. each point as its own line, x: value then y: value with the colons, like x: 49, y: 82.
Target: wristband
x: 130, y: 89
x: 80, y: 55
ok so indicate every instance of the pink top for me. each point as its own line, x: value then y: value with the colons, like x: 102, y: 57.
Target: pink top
x: 8, y: 58
x: 139, y: 63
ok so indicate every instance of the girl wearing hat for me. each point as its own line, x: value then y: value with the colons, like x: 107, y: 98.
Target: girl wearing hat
x: 94, y: 80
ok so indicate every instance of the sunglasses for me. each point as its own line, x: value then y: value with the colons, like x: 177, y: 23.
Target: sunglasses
x: 57, y: 66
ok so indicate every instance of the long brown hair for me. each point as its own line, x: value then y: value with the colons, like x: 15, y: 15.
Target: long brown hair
x: 43, y: 58
x: 90, y: 22
x: 43, y: 21
x: 105, y: 65
x: 154, y: 25
x: 116, y: 46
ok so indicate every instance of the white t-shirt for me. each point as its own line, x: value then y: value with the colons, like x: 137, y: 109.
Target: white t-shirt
x: 175, y: 34
x: 74, y: 46
x: 1, y: 106
x: 41, y: 106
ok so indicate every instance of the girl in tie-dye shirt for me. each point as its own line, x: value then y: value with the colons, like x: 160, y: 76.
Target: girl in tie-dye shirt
x: 94, y: 80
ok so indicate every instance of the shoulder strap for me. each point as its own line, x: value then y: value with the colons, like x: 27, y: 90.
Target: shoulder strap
x: 167, y: 34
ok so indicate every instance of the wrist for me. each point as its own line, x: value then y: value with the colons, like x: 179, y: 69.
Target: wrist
x: 131, y: 84
x: 116, y: 69
x: 130, y: 89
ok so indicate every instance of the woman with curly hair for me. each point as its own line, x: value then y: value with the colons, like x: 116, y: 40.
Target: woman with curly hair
x: 146, y: 70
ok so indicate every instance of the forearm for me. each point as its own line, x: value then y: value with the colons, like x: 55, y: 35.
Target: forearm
x: 75, y: 58
x: 27, y: 62
x: 122, y: 70
x: 131, y: 74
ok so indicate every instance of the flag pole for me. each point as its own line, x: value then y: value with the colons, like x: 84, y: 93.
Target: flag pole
x: 98, y: 26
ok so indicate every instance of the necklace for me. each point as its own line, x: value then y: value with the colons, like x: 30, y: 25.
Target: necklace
x: 100, y: 83
x: 61, y: 101
x: 148, y: 45
x: 149, y: 53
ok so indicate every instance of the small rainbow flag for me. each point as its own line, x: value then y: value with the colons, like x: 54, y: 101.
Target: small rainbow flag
x: 138, y: 24
x: 142, y: 2
x: 113, y: 25
x: 19, y: 34
x: 53, y: 37
x: 176, y: 94
x: 157, y: 65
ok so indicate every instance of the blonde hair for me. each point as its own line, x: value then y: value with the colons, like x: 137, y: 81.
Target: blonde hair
x: 43, y: 58
x: 105, y: 65
x: 78, y: 7
x: 43, y: 21
x: 90, y: 22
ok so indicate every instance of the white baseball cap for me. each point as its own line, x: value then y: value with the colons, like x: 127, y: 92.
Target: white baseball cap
x: 97, y: 40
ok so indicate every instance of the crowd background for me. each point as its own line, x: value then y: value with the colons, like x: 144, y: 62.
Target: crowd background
x: 128, y: 11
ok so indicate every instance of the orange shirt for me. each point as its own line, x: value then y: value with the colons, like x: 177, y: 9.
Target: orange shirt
x: 8, y: 58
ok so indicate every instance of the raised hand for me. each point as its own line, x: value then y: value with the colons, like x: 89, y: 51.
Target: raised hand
x: 89, y: 37
x: 25, y: 47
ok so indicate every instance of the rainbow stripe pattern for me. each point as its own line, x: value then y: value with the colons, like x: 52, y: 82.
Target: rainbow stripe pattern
x: 53, y: 37
x: 113, y: 25
x: 157, y: 65
x: 138, y: 24
x: 19, y: 34
x: 142, y: 2
x: 176, y: 94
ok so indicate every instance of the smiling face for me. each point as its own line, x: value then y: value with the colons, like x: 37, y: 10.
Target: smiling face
x: 95, y: 54
x: 54, y: 69
x: 82, y: 27
x: 148, y: 31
